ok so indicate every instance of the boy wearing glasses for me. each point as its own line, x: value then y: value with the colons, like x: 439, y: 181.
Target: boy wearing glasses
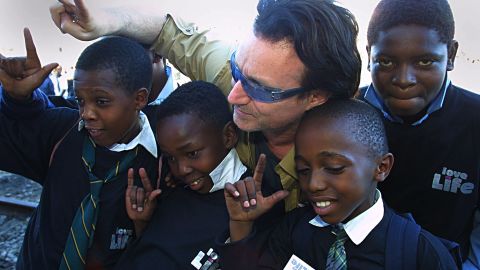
x: 291, y: 46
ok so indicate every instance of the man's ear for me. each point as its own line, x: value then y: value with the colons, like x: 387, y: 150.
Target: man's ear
x: 383, y: 167
x: 230, y: 135
x: 452, y: 53
x: 141, y: 98
x: 368, y: 53
x: 316, y: 98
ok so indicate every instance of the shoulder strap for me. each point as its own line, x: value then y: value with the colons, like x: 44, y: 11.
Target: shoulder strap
x: 60, y: 141
x: 402, y: 242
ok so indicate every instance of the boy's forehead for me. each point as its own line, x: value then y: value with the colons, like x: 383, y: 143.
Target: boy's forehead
x: 183, y: 123
x: 322, y: 125
x: 98, y: 78
x: 405, y: 34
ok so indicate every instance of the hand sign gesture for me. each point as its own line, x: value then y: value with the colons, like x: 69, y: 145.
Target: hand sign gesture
x: 78, y: 20
x: 20, y: 76
x: 246, y: 203
x: 140, y: 203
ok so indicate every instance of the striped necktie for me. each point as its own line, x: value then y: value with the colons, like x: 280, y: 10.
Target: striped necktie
x: 82, y: 230
x: 337, y: 258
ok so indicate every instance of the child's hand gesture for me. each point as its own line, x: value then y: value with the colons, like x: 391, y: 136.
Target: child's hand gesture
x: 246, y: 203
x: 20, y: 76
x: 141, y: 202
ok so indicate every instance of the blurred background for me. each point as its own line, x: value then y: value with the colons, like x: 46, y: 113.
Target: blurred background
x: 230, y: 20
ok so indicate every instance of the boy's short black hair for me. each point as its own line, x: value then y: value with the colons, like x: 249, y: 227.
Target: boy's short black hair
x: 127, y: 58
x: 363, y: 122
x: 325, y: 39
x: 201, y: 99
x: 433, y: 14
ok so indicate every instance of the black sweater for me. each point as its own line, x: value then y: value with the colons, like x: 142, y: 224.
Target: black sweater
x: 295, y: 235
x: 184, y: 223
x: 437, y: 167
x: 27, y: 140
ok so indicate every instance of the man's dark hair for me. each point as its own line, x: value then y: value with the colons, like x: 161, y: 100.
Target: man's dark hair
x: 126, y: 58
x: 324, y: 36
x: 201, y: 99
x: 432, y: 14
x: 361, y: 120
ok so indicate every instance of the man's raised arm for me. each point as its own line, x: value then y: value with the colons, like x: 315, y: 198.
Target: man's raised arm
x: 141, y: 20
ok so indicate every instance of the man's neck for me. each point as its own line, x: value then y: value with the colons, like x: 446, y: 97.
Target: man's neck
x: 280, y: 141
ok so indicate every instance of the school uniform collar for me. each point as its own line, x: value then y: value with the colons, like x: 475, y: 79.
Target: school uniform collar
x: 145, y: 138
x: 437, y: 103
x: 228, y: 171
x: 167, y: 88
x: 359, y: 227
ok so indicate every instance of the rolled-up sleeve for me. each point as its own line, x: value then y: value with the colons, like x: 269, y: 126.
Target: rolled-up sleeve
x: 195, y: 53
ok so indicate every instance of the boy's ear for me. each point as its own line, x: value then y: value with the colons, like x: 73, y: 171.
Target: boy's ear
x: 141, y: 98
x: 452, y: 53
x: 230, y: 135
x: 368, y: 53
x: 316, y: 98
x: 383, y: 167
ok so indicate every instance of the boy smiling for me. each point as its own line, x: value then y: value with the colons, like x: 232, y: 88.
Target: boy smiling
x: 81, y: 221
x: 432, y: 125
x: 196, y: 135
x: 341, y: 154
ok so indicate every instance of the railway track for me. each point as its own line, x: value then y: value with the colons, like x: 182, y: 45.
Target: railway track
x: 16, y: 206
x: 18, y: 198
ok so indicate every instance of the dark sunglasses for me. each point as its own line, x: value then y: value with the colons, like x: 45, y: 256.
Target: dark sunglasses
x: 259, y: 92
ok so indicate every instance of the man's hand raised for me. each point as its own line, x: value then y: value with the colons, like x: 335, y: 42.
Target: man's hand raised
x: 20, y: 76
x: 79, y: 20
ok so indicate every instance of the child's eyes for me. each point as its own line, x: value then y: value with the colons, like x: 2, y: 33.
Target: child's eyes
x: 385, y: 62
x: 102, y: 102
x: 169, y: 158
x: 303, y: 171
x: 193, y: 154
x: 335, y: 170
x: 80, y: 101
x: 425, y: 62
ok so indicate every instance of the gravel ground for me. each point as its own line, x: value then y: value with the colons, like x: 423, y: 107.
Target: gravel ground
x: 12, y: 225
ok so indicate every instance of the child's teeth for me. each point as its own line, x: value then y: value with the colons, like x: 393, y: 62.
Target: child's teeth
x: 323, y: 204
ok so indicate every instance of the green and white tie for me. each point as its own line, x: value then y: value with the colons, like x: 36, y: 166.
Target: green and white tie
x: 82, y: 230
x: 337, y: 258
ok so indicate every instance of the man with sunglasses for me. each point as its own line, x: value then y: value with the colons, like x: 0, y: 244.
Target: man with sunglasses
x: 300, y: 54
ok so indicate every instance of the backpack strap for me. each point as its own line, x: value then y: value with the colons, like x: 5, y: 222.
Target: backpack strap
x: 402, y: 243
x: 60, y: 141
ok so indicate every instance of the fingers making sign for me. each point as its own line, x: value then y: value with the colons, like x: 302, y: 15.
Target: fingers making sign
x: 20, y: 76
x: 246, y: 203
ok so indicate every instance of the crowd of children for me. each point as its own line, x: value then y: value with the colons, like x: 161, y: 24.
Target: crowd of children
x: 388, y: 180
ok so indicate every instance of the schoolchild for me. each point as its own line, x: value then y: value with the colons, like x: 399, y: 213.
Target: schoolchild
x: 81, y: 220
x: 341, y: 154
x: 432, y: 125
x: 197, y: 137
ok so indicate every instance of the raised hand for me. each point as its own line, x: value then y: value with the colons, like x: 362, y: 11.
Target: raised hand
x: 140, y: 202
x: 245, y: 202
x: 20, y: 76
x: 80, y: 21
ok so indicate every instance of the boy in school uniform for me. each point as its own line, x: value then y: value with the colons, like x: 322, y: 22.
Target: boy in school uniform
x: 197, y: 137
x: 81, y: 220
x: 341, y: 154
x: 432, y: 126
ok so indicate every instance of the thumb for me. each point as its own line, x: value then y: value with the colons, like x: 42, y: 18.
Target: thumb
x: 38, y: 77
x: 46, y: 70
x: 5, y: 79
x: 273, y: 199
x: 154, y: 194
